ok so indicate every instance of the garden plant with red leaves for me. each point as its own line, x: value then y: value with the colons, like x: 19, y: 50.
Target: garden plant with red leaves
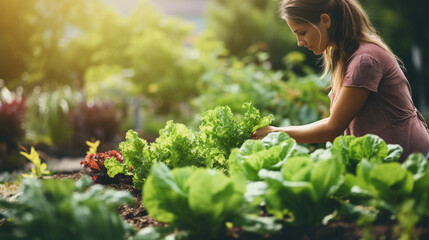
x: 12, y: 111
x: 94, y: 162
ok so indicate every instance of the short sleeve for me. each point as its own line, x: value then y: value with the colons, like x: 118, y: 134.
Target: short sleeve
x: 363, y: 71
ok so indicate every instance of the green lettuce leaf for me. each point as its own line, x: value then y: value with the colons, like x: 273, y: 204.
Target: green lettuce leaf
x: 369, y: 147
x: 199, y: 201
x: 176, y: 147
x: 135, y: 152
x: 114, y: 167
x: 304, y: 187
x: 269, y: 153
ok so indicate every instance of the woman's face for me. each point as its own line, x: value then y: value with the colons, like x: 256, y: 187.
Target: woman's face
x: 313, y: 37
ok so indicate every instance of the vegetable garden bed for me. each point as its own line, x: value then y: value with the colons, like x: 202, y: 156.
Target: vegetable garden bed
x: 219, y: 184
x: 137, y: 216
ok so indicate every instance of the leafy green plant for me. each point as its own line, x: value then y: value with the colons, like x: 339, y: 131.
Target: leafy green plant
x: 251, y: 24
x: 62, y: 209
x: 220, y: 131
x: 269, y: 153
x: 39, y: 169
x: 178, y: 146
x: 304, y: 188
x: 370, y: 147
x: 47, y: 119
x: 418, y: 165
x: 137, y: 160
x: 384, y: 185
x: 181, y: 198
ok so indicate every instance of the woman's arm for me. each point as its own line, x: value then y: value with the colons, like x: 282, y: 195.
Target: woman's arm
x: 347, y: 105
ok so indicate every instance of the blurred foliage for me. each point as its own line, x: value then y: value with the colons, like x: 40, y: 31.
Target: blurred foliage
x: 39, y: 169
x: 47, y: 115
x: 34, y: 41
x: 65, y: 119
x: 12, y: 110
x: 149, y: 59
x: 94, y: 120
x: 64, y: 209
x: 293, y: 99
x: 251, y: 24
x: 85, y: 44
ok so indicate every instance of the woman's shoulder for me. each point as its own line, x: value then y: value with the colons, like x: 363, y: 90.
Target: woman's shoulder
x: 372, y: 51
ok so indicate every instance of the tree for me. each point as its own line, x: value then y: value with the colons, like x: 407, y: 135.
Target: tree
x: 35, y: 34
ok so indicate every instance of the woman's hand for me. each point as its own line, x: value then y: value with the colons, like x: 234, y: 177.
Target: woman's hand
x: 264, y: 131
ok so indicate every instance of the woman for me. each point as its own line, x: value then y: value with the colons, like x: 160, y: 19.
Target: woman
x: 369, y: 92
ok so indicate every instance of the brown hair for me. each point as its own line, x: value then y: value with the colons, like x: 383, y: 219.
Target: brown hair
x: 349, y: 26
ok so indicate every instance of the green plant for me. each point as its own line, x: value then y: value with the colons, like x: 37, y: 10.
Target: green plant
x: 375, y: 179
x: 39, y: 169
x: 303, y: 189
x: 251, y: 24
x: 136, y: 157
x: 221, y: 131
x: 269, y: 153
x: 178, y: 146
x: 418, y: 165
x: 370, y: 147
x: 47, y: 119
x: 55, y: 209
x: 181, y: 198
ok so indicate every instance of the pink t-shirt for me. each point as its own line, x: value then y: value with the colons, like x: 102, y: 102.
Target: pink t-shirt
x: 389, y: 111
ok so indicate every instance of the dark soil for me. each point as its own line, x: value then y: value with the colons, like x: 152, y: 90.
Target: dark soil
x: 137, y: 216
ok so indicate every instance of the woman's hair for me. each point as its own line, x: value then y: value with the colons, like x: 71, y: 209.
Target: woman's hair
x: 349, y: 26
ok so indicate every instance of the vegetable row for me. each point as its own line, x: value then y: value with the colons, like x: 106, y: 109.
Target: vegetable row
x: 203, y: 182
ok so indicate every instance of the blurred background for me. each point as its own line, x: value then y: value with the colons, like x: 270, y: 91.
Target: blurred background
x: 76, y: 70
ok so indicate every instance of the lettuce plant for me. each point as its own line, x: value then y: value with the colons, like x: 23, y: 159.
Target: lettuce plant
x: 370, y: 147
x: 199, y: 202
x: 302, y: 190
x: 136, y: 159
x: 418, y: 165
x: 388, y: 185
x: 221, y: 132
x: 63, y: 209
x: 178, y: 146
x: 269, y: 153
